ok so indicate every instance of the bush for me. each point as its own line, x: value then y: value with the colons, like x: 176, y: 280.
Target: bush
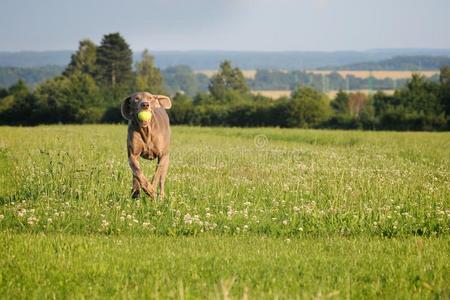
x: 308, y: 108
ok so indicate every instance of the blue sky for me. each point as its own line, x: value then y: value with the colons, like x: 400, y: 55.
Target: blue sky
x: 263, y: 25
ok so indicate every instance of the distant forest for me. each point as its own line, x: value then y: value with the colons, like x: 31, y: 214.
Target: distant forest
x: 182, y: 76
x: 183, y: 79
x: 31, y: 76
x: 409, y: 63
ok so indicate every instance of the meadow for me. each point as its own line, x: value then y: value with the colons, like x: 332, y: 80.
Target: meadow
x: 249, y: 213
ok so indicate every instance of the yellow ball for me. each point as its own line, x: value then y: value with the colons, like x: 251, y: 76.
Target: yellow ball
x: 144, y: 116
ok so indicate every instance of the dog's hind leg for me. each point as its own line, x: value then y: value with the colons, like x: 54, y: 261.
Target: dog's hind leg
x: 164, y: 168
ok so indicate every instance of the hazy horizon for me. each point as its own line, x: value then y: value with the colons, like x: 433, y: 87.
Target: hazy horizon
x: 231, y: 50
x: 228, y: 25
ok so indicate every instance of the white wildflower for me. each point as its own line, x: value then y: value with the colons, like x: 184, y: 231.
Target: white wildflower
x: 187, y: 219
x: 104, y: 224
x: 32, y: 220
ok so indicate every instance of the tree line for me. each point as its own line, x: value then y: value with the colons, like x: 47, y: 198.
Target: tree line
x: 99, y: 76
x: 183, y: 78
x: 409, y: 62
x: 281, y: 80
x: 421, y: 104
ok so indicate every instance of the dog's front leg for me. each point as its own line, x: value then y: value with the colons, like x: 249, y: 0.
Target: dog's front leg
x: 136, y: 189
x: 160, y: 174
x: 139, y: 180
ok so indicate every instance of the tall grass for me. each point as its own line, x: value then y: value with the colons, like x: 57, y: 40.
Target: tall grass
x: 299, y: 196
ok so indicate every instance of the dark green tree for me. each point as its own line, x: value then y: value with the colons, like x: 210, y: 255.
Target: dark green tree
x: 340, y: 103
x: 83, y: 60
x: 307, y: 108
x: 366, y: 117
x: 71, y: 99
x: 227, y: 79
x: 148, y: 78
x: 420, y: 95
x: 444, y: 80
x: 182, y: 111
x: 417, y: 106
x: 18, y: 105
x: 3, y: 92
x: 114, y: 60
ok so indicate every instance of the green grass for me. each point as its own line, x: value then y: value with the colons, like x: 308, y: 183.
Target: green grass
x: 263, y: 213
x: 61, y: 266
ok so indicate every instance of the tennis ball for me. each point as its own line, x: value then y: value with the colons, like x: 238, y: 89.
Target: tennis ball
x: 144, y: 116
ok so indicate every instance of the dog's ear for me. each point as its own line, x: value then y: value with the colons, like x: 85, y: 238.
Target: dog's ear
x: 164, y: 101
x: 125, y: 108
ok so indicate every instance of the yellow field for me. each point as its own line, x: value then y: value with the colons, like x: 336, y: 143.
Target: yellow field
x: 250, y: 74
x: 275, y: 94
x: 332, y: 94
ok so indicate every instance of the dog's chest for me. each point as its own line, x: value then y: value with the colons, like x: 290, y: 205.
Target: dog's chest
x: 152, y: 148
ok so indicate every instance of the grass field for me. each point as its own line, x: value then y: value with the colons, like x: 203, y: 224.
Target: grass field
x: 250, y: 213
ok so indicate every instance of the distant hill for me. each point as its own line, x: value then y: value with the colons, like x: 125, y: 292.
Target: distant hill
x: 250, y: 60
x: 398, y: 63
x: 31, y: 76
x: 29, y: 59
x: 210, y: 60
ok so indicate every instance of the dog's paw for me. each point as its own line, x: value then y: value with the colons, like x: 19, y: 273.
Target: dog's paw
x: 135, y: 194
x: 150, y: 190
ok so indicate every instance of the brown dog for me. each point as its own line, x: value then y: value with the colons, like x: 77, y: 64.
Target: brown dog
x: 148, y: 139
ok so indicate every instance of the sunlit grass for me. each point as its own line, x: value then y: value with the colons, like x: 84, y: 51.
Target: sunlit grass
x: 283, y: 189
